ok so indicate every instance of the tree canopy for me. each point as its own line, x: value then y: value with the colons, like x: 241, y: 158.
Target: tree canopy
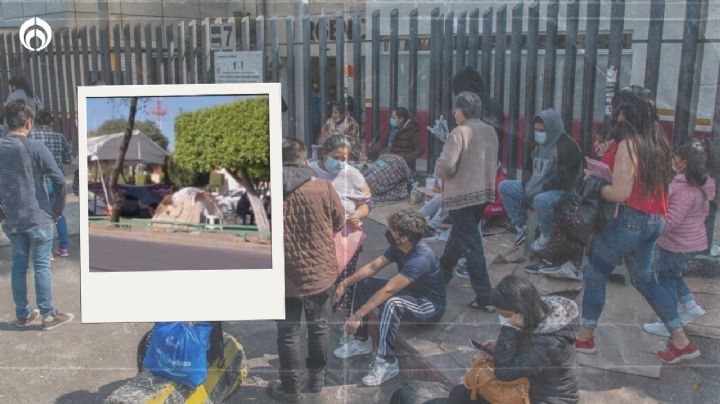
x: 118, y: 125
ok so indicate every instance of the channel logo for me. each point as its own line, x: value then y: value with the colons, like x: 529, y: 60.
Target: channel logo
x: 38, y: 30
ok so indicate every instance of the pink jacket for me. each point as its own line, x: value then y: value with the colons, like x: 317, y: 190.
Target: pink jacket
x: 685, y: 222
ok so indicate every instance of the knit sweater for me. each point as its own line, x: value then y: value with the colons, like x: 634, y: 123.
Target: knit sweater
x: 685, y: 222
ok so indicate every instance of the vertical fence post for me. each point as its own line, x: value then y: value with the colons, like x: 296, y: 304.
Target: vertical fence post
x: 192, y: 52
x: 171, y: 57
x: 434, y: 87
x: 68, y: 81
x: 615, y: 48
x: 260, y: 41
x: 589, y: 76
x: 117, y: 51
x: 340, y: 56
x: 181, y: 55
x: 290, y: 32
x: 514, y: 96
x: 76, y: 58
x: 473, y: 38
x: 52, y: 87
x: 461, y: 41
x: 568, y: 95
x: 691, y: 31
x: 487, y: 45
x: 45, y: 79
x: 148, y: 73
x: 500, y: 41
x: 12, y: 66
x: 274, y: 50
x: 654, y: 46
x: 137, y: 44
x: 85, y: 56
x: 308, y: 136
x: 204, y: 77
x: 95, y: 76
x: 323, y: 28
x: 533, y: 43
x: 375, y: 67
x: 159, y: 57
x: 3, y: 68
x: 551, y: 34
x: 448, y: 64
x: 61, y: 120
x: 128, y: 55
x: 245, y: 24
x: 394, y: 50
x: 357, y: 73
x: 37, y: 80
x: 105, y: 56
x: 413, y: 59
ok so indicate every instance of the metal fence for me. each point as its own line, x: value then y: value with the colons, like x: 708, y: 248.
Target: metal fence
x: 181, y: 53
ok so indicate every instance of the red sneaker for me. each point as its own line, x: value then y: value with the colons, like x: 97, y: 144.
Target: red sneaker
x: 586, y: 347
x: 675, y: 355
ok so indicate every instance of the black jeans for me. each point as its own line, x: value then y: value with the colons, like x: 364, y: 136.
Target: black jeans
x: 317, y: 310
x: 465, y: 237
x: 461, y: 395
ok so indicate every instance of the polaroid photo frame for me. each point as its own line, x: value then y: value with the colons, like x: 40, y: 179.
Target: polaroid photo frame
x: 222, y: 294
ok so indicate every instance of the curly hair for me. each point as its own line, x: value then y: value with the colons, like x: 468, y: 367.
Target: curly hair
x: 17, y: 113
x: 408, y: 223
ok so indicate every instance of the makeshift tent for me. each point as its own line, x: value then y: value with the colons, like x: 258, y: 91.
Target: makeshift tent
x: 189, y: 205
x: 141, y: 150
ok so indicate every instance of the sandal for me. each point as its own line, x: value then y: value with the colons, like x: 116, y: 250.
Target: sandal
x: 477, y: 305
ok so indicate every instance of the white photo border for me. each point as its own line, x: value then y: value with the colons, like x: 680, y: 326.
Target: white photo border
x: 203, y: 295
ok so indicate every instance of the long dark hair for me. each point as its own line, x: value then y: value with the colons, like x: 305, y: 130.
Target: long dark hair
x: 695, y: 155
x: 652, y: 149
x: 520, y: 296
x: 21, y: 83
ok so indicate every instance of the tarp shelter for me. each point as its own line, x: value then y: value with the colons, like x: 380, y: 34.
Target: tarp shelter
x: 141, y: 150
x: 189, y: 205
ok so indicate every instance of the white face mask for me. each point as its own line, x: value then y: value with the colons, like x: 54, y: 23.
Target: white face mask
x: 503, y: 320
x: 540, y: 137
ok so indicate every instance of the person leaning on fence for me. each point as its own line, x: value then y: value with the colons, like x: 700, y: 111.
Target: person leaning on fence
x: 404, y: 139
x: 416, y: 294
x: 343, y: 123
x: 550, y: 171
x: 535, y: 342
x: 468, y: 166
x: 28, y: 213
x: 641, y: 173
x: 312, y: 215
x: 62, y: 153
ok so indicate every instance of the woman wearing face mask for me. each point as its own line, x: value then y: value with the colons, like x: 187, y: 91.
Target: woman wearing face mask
x: 403, y: 139
x: 351, y: 187
x: 535, y: 341
x: 342, y: 122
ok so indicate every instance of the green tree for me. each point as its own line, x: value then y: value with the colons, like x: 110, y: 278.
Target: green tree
x: 118, y: 125
x: 234, y: 136
x: 183, y: 176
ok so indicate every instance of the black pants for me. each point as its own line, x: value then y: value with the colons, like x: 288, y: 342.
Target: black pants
x: 317, y: 310
x: 461, y: 395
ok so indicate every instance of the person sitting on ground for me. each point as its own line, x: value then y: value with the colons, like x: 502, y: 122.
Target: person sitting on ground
x: 404, y: 139
x: 536, y: 341
x: 343, y: 123
x: 684, y: 235
x: 416, y: 294
x: 388, y: 177
x: 550, y: 170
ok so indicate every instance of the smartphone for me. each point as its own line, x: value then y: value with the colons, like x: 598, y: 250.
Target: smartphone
x: 478, y: 346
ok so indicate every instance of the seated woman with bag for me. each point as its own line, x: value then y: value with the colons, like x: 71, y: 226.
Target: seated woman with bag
x: 535, y: 342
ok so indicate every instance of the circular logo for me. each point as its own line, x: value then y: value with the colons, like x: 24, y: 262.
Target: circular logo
x: 38, y: 30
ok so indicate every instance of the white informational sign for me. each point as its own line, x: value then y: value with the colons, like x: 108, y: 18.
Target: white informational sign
x: 222, y: 36
x: 239, y: 67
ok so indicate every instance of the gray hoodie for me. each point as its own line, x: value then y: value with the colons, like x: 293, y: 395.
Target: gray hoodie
x: 545, y: 156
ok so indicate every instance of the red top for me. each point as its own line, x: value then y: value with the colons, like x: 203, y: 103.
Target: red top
x: 652, y: 205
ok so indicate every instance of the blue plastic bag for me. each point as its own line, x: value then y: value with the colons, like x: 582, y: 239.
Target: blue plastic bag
x: 178, y: 351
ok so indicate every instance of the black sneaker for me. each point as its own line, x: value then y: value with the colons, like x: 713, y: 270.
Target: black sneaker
x: 277, y: 392
x: 542, y: 265
x: 520, y: 232
x: 50, y: 322
x: 316, y: 380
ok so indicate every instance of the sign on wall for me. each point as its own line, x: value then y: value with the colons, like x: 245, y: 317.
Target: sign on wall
x: 222, y: 36
x: 239, y: 67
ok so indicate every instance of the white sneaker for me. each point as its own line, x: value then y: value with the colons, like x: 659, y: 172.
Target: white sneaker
x: 381, y: 371
x: 656, y: 328
x: 565, y: 271
x: 540, y: 243
x: 353, y: 347
x: 688, y: 316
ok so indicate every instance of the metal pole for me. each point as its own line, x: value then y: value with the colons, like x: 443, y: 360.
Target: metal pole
x: 514, y: 96
x: 486, y: 57
x: 290, y: 32
x: 473, y: 38
x: 461, y: 41
x: 589, y: 76
x: 413, y: 70
x: 551, y: 33
x: 533, y: 43
x: 375, y: 67
x: 691, y: 31
x: 654, y: 46
x: 394, y: 50
x: 568, y: 96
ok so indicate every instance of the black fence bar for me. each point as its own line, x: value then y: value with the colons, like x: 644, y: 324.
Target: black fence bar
x: 551, y: 34
x: 413, y: 61
x: 691, y: 31
x: 3, y: 68
x: 447, y: 67
x: 308, y: 135
x: 69, y: 88
x: 17, y: 59
x: 531, y: 67
x: 45, y: 79
x: 245, y: 37
x: 323, y: 26
x: 473, y: 38
x: 487, y: 44
x: 171, y: 57
x: 375, y: 67
x: 516, y: 40
x: 35, y: 69
x: 192, y: 52
x: 76, y: 58
x: 614, y: 66
x: 275, y: 51
x: 128, y: 55
x: 434, y: 87
x: 105, y: 55
x: 85, y: 56
x: 589, y: 75
x: 51, y: 102
x: 95, y: 56
x: 290, y: 32
x: 204, y: 77
x: 181, y: 55
x: 116, y: 50
x: 654, y: 46
x: 340, y: 56
x: 260, y: 41
x: 394, y: 50
x: 147, y: 74
x: 568, y: 97
x: 20, y: 52
x: 159, y: 59
x: 12, y: 65
x: 500, y: 38
x: 461, y: 41
x: 357, y: 73
x: 62, y: 100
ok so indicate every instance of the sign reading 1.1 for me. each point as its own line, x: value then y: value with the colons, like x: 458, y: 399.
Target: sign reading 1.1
x: 239, y: 67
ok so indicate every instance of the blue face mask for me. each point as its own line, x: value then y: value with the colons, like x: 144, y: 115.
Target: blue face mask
x: 334, y: 166
x: 393, y: 122
x: 540, y: 137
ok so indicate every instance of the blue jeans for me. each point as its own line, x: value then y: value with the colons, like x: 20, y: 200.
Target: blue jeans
x: 631, y: 236
x: 517, y: 203
x: 669, y: 267
x: 433, y: 209
x: 35, y: 243
x: 465, y: 238
x: 61, y: 225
